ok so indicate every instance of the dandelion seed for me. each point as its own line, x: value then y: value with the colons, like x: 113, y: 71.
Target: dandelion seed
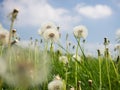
x: 58, y: 28
x: 56, y: 84
x: 51, y: 35
x: 80, y: 31
x: 63, y: 59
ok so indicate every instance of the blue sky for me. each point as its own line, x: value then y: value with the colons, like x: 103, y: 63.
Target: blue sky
x: 101, y: 17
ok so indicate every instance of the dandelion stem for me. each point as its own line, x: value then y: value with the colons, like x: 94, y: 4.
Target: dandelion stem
x: 100, y: 79
x: 10, y: 32
x: 108, y: 73
x: 78, y: 41
x: 76, y: 66
x: 66, y: 75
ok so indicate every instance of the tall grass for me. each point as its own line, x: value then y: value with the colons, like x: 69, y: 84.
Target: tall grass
x: 32, y: 68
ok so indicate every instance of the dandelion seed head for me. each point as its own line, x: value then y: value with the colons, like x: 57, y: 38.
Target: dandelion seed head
x: 56, y: 84
x: 80, y: 31
x: 76, y: 57
x: 23, y: 70
x: 45, y: 26
x: 51, y: 35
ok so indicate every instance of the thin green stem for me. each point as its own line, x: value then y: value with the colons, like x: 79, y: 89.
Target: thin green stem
x: 76, y: 67
x: 100, y: 79
x: 108, y: 74
x: 66, y: 75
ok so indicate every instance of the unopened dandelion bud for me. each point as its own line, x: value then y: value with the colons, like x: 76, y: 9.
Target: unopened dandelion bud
x: 30, y: 38
x: 118, y: 59
x: 31, y: 42
x: 14, y: 14
x: 84, y: 40
x: 57, y: 77
x: 13, y: 42
x: 69, y: 44
x: 79, y: 85
x: 79, y: 82
x: 90, y: 83
x: 41, y: 41
x: 58, y: 28
x: 13, y: 30
x: 36, y: 41
x: 98, y: 52
x: 106, y: 41
x: 15, y: 11
x: 73, y: 47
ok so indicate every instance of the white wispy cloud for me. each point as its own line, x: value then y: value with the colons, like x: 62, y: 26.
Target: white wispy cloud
x: 95, y: 12
x: 35, y: 12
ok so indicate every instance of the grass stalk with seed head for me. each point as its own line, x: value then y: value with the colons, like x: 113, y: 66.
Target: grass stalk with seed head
x: 13, y: 17
x: 100, y: 77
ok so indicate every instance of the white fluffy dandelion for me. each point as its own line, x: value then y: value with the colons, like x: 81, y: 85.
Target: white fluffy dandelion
x: 24, y: 70
x: 63, y: 59
x: 56, y: 84
x: 117, y: 48
x: 45, y: 26
x: 76, y: 57
x: 4, y: 36
x: 51, y: 35
x: 80, y: 31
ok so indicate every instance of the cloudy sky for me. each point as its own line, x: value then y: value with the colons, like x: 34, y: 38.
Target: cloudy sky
x: 101, y: 17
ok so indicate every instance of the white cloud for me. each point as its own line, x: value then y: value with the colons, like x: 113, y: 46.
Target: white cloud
x: 95, y: 12
x: 35, y: 12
